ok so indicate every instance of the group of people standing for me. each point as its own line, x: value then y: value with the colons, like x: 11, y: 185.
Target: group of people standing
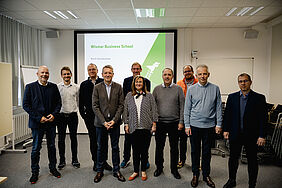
x: 192, y: 107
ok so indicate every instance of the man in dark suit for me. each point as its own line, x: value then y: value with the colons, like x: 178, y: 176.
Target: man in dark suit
x: 86, y: 110
x: 42, y: 101
x: 244, y: 122
x: 108, y: 107
x: 136, y: 69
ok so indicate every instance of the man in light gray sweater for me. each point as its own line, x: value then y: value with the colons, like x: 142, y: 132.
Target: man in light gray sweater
x: 202, y: 117
x: 170, y: 99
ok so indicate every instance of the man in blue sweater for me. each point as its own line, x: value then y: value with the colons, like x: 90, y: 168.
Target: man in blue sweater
x: 42, y: 102
x: 202, y: 117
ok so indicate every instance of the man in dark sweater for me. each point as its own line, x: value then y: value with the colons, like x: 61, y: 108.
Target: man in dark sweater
x: 86, y: 111
x: 170, y: 102
x: 136, y: 69
x: 42, y: 102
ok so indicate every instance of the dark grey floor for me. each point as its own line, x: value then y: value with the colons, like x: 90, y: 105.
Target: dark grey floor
x: 16, y: 166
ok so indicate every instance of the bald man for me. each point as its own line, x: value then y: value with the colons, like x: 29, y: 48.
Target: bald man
x: 42, y: 101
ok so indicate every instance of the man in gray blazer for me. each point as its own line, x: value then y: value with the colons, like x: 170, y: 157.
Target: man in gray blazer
x: 108, y: 107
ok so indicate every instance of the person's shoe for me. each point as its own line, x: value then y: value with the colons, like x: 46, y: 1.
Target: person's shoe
x: 98, y: 177
x: 176, y: 174
x: 107, y: 167
x: 55, y: 173
x: 147, y: 165
x: 230, y: 183
x: 144, y: 176
x: 34, y: 177
x: 75, y: 164
x: 158, y: 172
x: 194, y: 181
x: 61, y: 165
x: 180, y: 164
x: 124, y: 164
x: 209, y: 181
x: 119, y: 176
x: 133, y: 176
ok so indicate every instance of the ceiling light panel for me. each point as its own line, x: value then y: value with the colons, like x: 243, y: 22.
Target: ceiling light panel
x: 150, y: 13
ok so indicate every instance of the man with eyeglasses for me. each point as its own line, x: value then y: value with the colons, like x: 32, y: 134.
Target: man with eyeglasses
x: 188, y: 80
x: 87, y: 113
x: 244, y: 124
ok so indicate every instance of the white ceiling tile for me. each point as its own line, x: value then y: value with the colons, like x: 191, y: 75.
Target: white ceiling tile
x: 212, y: 11
x: 221, y: 3
x: 42, y: 22
x: 180, y: 11
x: 268, y: 11
x: 14, y: 5
x: 276, y: 3
x: 256, y: 3
x: 34, y: 15
x: 201, y: 25
x: 91, y: 14
x: 116, y: 4
x: 177, y: 20
x: 174, y: 25
x: 149, y: 3
x: 73, y: 22
x: 202, y: 20
x: 79, y: 4
x: 232, y: 19
x: 47, y: 4
x: 120, y: 14
x: 184, y: 3
x: 256, y: 19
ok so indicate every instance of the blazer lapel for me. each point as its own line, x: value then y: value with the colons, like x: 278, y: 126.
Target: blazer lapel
x: 105, y: 91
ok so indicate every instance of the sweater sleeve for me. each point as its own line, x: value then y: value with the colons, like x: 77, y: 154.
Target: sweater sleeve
x: 181, y: 104
x: 218, y: 108
x: 187, y: 109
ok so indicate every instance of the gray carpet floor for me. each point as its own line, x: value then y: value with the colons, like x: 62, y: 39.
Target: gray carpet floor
x: 16, y: 166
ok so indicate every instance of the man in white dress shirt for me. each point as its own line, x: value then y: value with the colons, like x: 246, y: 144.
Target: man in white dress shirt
x: 68, y: 117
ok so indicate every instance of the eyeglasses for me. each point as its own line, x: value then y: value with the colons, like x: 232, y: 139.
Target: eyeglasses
x: 243, y: 81
x: 187, y: 71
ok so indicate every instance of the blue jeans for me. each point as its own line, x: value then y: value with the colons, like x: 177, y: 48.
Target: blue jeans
x: 102, y: 141
x: 204, y: 136
x: 37, y: 135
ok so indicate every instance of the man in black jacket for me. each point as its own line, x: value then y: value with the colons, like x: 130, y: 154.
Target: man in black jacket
x: 86, y: 111
x: 244, y: 125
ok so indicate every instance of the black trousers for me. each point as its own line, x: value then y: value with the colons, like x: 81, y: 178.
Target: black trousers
x: 182, y: 136
x: 127, y: 147
x: 251, y: 152
x: 160, y: 136
x: 89, y: 122
x: 141, y: 139
x: 202, y: 136
x: 70, y: 121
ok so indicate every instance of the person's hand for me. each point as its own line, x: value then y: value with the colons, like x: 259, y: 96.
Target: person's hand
x: 154, y: 128
x: 126, y: 129
x: 217, y: 130
x: 43, y: 119
x: 226, y: 135
x: 188, y: 131
x: 180, y: 126
x: 261, y: 141
x: 50, y: 118
x: 106, y: 125
x: 111, y: 124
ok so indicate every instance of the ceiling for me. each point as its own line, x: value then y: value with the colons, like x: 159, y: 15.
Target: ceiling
x: 114, y: 14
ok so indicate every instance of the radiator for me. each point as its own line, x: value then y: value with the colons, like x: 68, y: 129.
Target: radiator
x: 20, y: 127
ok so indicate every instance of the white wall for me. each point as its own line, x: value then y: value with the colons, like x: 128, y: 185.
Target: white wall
x: 210, y: 43
x: 276, y: 66
x: 228, y: 43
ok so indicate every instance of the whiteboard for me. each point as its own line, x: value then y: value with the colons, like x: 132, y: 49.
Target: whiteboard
x: 224, y: 71
x: 6, y: 123
x: 29, y: 74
